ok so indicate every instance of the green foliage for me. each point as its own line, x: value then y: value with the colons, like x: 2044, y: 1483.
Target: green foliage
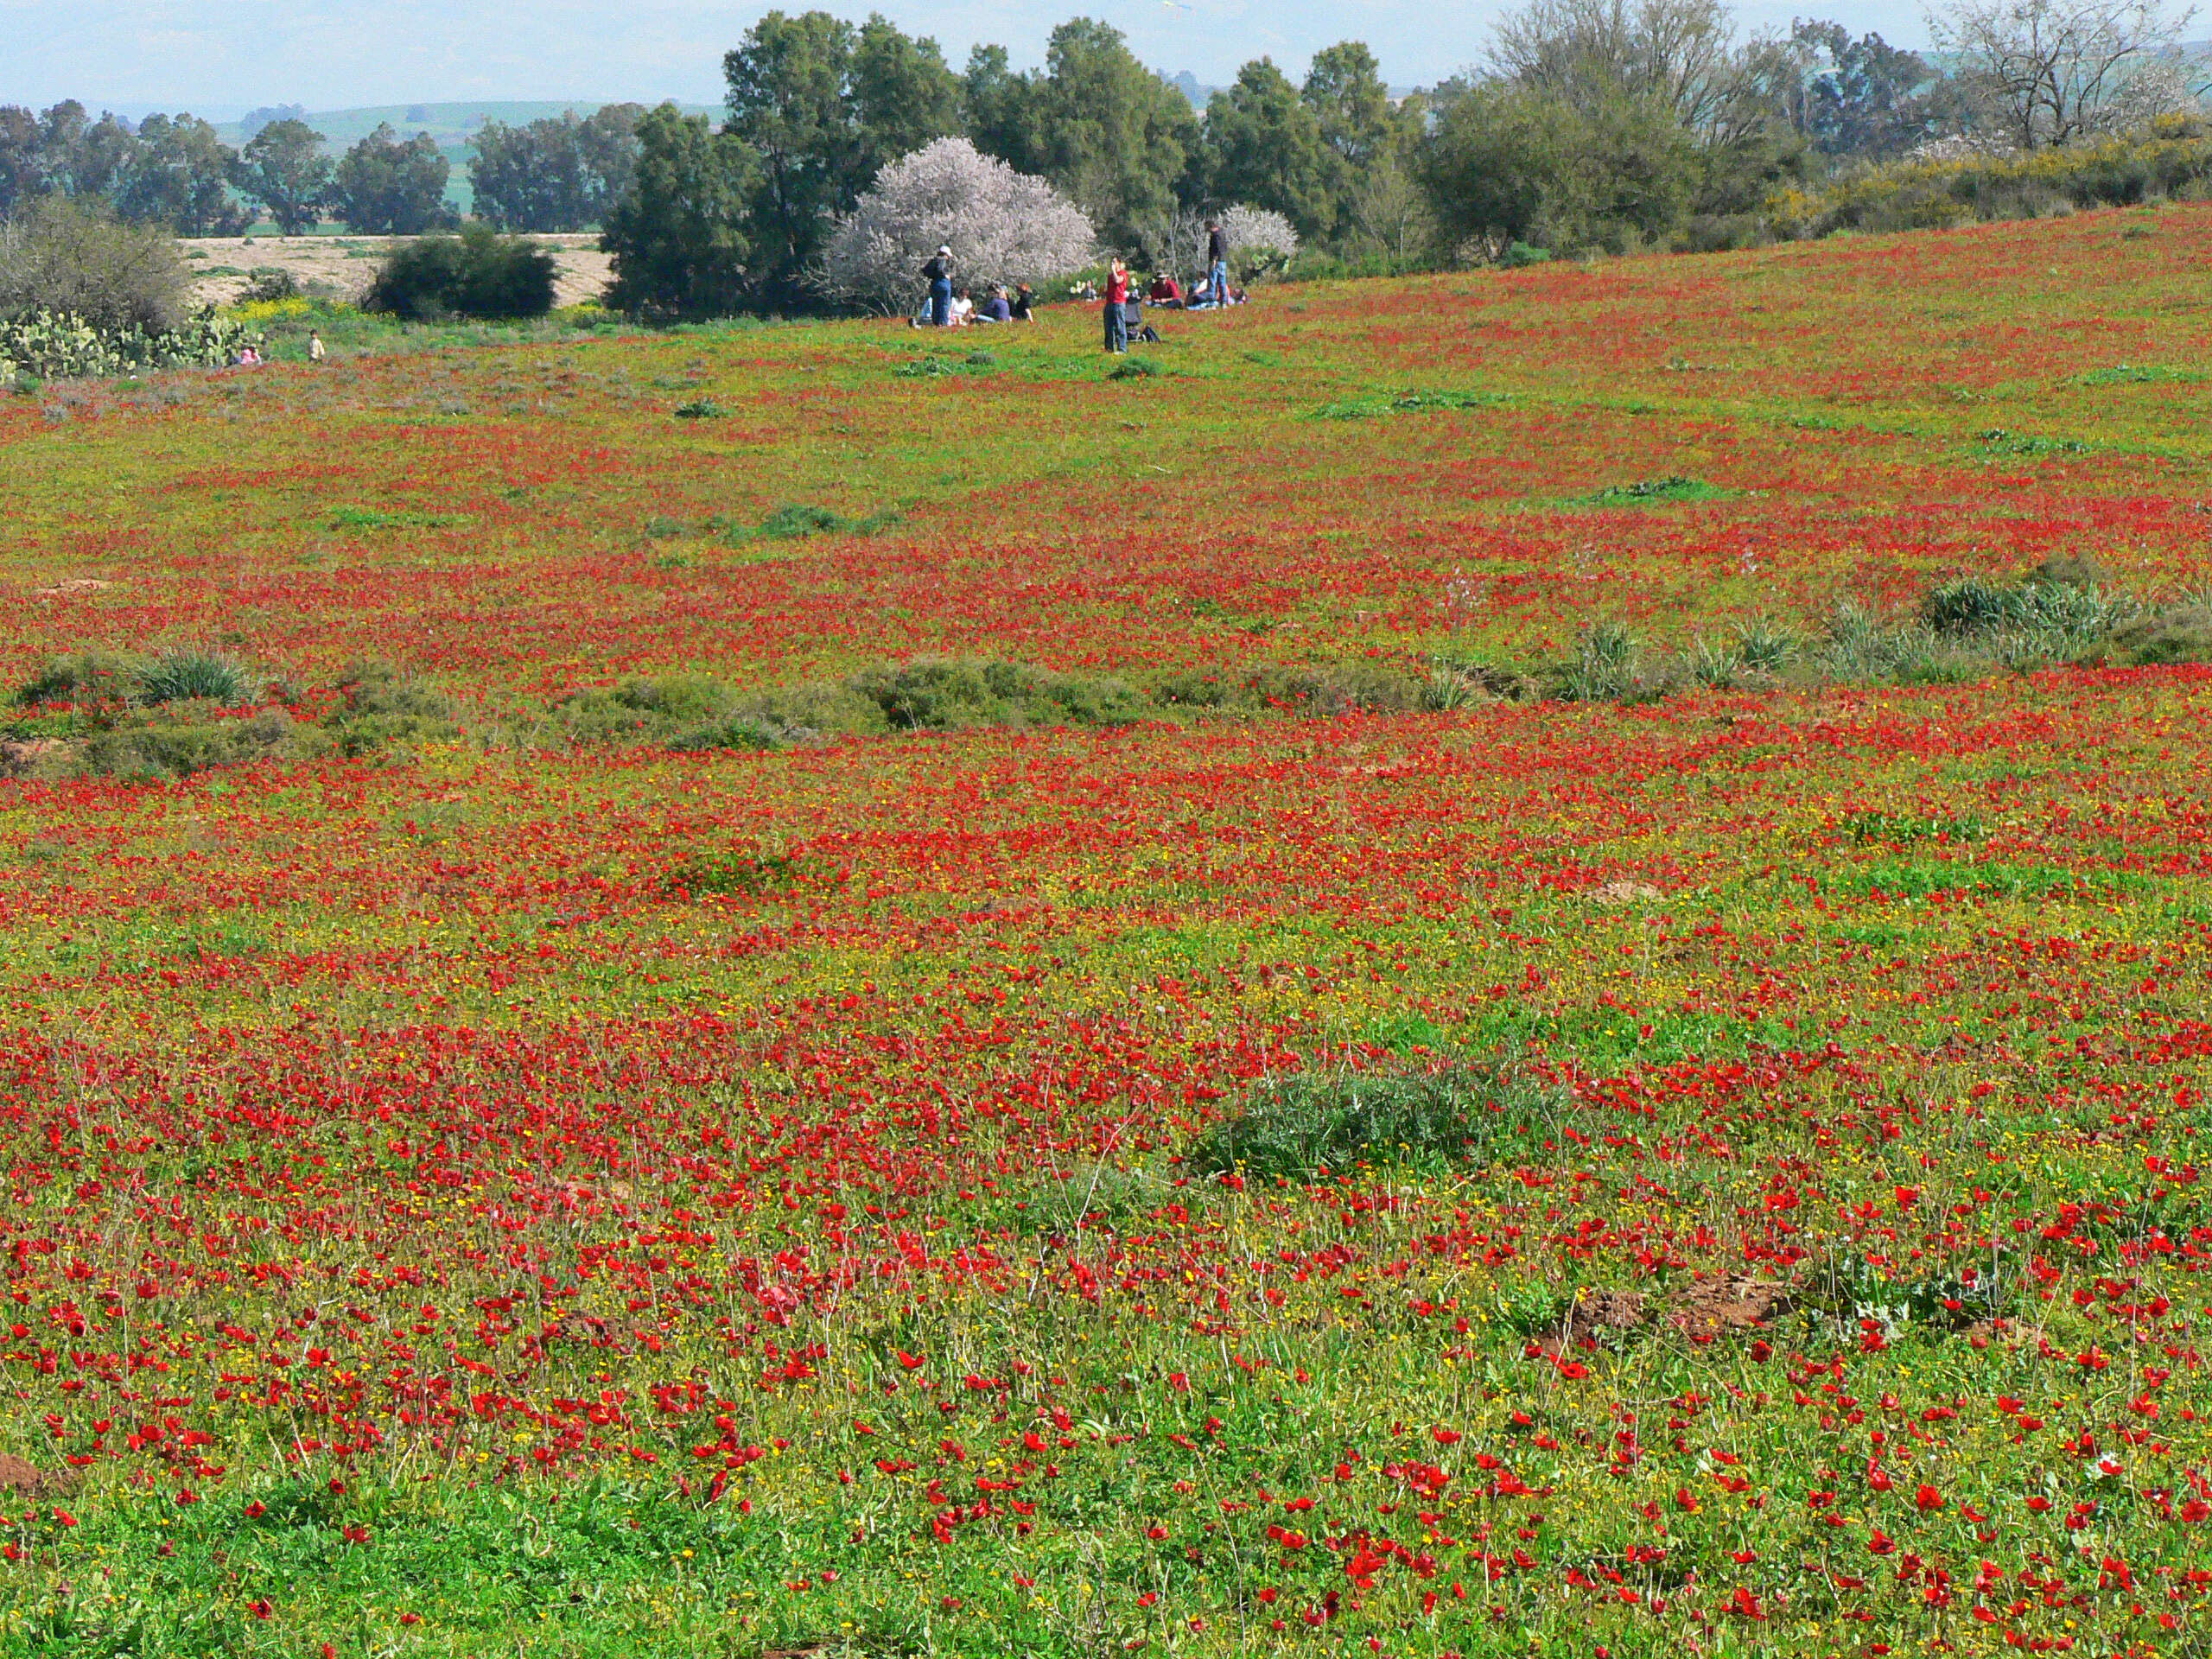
x: 68, y: 258
x: 375, y: 518
x: 823, y: 107
x: 557, y: 174
x: 1106, y: 130
x: 1305, y: 1126
x: 1509, y: 164
x: 1656, y: 492
x: 478, y: 273
x: 383, y: 186
x: 1408, y: 402
x: 178, y: 177
x: 188, y: 675
x: 1890, y: 828
x: 679, y: 236
x: 284, y: 169
x: 49, y: 347
x: 1264, y: 146
x: 2170, y: 158
x: 947, y: 695
x: 700, y: 408
x: 1974, y: 607
x: 796, y: 522
x: 2182, y: 635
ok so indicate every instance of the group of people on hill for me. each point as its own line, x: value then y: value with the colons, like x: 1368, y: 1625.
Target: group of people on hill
x: 948, y: 309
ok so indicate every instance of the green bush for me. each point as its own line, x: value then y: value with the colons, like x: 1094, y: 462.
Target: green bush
x: 176, y: 748
x: 2177, y: 636
x: 944, y: 694
x: 186, y: 676
x: 1300, y: 1128
x: 68, y: 258
x: 48, y: 347
x: 478, y: 273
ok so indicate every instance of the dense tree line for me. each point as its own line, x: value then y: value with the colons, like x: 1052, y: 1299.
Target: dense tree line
x: 174, y: 171
x: 1590, y: 124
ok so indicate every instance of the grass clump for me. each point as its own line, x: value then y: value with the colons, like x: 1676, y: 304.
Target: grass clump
x: 946, y: 694
x: 1408, y: 403
x: 796, y: 522
x: 1304, y: 1127
x: 1656, y: 492
x: 190, y: 676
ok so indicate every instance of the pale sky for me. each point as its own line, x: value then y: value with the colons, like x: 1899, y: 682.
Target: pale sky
x: 220, y: 57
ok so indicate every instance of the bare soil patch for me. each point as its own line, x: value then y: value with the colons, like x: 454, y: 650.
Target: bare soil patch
x: 341, y: 267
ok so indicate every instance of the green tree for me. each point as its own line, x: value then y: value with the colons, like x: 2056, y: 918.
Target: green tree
x: 180, y: 177
x: 825, y: 106
x: 78, y: 157
x: 1344, y: 88
x: 1512, y: 163
x: 900, y: 97
x: 530, y: 177
x: 1264, y: 146
x: 1106, y: 130
x: 1001, y: 108
x: 19, y: 172
x: 385, y: 186
x: 283, y: 168
x: 678, y: 237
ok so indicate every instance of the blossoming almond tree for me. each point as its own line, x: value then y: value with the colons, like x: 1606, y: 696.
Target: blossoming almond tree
x: 1003, y: 226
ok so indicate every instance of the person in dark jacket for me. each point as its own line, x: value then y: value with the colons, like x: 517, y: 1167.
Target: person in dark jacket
x: 939, y: 275
x: 1217, y: 262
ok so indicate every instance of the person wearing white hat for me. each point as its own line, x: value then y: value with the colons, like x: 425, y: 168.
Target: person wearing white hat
x: 939, y: 275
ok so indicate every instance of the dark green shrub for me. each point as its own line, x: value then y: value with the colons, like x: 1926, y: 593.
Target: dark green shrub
x: 2176, y: 636
x: 1300, y: 1127
x: 82, y: 677
x: 386, y: 706
x: 188, y: 676
x: 167, y: 749
x: 943, y: 695
x: 478, y: 273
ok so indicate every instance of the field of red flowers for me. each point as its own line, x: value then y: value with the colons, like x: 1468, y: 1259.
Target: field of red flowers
x: 503, y: 1193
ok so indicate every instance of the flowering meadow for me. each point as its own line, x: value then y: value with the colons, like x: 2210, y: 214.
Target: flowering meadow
x: 506, y: 1187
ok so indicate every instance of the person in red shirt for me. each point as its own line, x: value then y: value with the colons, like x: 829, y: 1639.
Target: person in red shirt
x: 1117, y: 296
x: 1165, y: 290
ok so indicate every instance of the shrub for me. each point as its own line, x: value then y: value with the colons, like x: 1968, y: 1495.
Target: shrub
x: 478, y: 273
x: 2177, y: 636
x: 1300, y: 1127
x: 1262, y: 242
x: 50, y: 347
x: 70, y: 259
x: 186, y: 676
x: 177, y: 749
x: 1003, y: 227
x: 943, y: 695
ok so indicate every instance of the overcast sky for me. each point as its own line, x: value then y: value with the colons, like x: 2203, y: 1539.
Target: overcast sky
x: 221, y: 57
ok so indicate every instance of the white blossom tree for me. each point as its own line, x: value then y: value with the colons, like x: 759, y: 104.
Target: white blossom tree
x: 1003, y: 226
x: 2048, y: 71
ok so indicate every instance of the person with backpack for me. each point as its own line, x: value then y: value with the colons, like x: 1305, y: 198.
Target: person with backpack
x: 1217, y: 262
x: 1117, y: 299
x: 939, y: 275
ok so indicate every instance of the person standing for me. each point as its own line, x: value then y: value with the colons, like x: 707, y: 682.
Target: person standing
x: 1117, y: 297
x: 939, y: 275
x: 1217, y: 262
x: 316, y: 352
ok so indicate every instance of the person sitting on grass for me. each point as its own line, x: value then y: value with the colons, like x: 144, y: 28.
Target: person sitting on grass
x: 1024, y: 301
x: 995, y: 307
x: 963, y: 309
x: 1165, y: 290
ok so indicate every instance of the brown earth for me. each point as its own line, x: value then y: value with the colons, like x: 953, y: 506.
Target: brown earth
x: 342, y: 266
x: 19, y: 1476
